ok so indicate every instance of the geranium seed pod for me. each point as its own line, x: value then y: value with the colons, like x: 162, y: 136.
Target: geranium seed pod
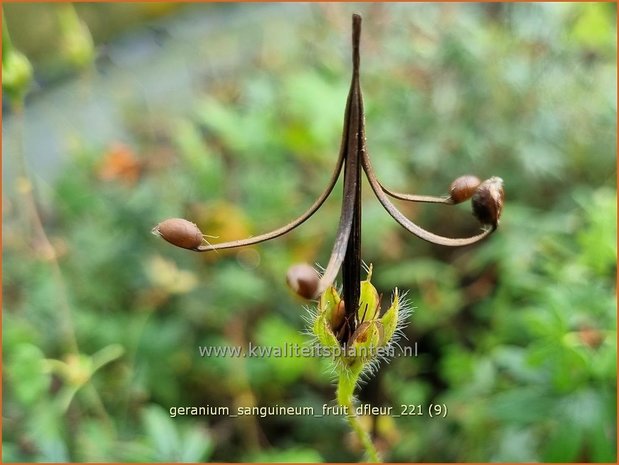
x: 463, y: 188
x: 303, y: 280
x: 488, y: 201
x: 179, y: 232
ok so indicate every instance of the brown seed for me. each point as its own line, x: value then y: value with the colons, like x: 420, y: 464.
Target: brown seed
x: 179, y: 232
x: 337, y: 318
x: 303, y: 280
x: 462, y: 188
x: 488, y: 201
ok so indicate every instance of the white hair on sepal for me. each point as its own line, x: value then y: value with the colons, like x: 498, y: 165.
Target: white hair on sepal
x: 310, y: 314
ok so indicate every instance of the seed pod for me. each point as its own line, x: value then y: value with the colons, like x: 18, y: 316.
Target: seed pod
x: 488, y: 201
x: 179, y: 232
x: 463, y: 188
x: 303, y: 280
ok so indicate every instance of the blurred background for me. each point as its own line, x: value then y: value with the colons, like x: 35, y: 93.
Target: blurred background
x: 117, y: 116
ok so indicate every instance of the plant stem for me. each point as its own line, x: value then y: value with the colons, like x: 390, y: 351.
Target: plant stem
x: 7, y: 43
x: 351, y: 270
x: 345, y: 390
x: 36, y: 233
x: 38, y: 239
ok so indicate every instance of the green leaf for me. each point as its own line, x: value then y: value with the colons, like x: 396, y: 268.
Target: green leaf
x: 46, y: 427
x: 598, y: 239
x: 161, y: 432
x: 594, y: 24
x: 292, y: 455
x: 564, y: 444
x: 196, y: 445
x: 26, y: 369
x: 521, y: 406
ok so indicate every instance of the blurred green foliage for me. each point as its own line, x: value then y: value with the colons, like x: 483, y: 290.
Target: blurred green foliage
x: 516, y: 336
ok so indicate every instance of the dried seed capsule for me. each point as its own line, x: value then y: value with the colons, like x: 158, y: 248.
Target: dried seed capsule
x: 463, y: 188
x: 303, y: 280
x: 179, y: 232
x: 488, y: 201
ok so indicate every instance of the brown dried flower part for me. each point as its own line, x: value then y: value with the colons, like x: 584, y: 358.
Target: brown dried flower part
x: 463, y: 188
x: 591, y: 337
x: 179, y: 232
x: 488, y: 201
x: 303, y: 280
x: 121, y: 164
x: 337, y: 318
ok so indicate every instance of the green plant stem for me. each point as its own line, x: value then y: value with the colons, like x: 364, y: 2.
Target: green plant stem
x: 345, y: 390
x: 7, y: 43
x: 39, y: 237
x: 95, y: 401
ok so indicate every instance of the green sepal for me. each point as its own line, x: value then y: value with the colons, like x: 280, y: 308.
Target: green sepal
x: 322, y: 331
x: 329, y: 301
x: 366, y: 339
x: 369, y: 303
x: 390, y: 318
x: 332, y: 306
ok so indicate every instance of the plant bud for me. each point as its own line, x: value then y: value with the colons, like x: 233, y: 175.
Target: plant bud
x: 303, y: 280
x: 179, y: 232
x: 463, y: 188
x: 488, y: 201
x: 76, y: 40
x: 16, y: 74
